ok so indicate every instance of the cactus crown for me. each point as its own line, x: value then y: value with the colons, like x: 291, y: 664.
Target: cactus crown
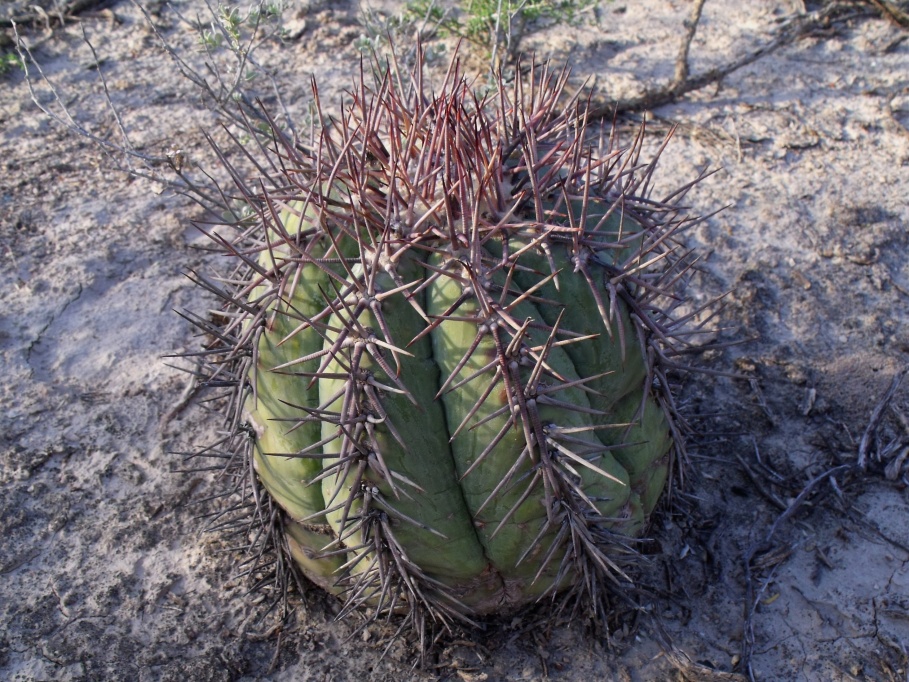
x: 445, y: 343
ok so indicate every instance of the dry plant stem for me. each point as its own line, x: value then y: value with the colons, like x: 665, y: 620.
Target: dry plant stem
x: 65, y: 119
x: 691, y: 27
x: 691, y: 671
x: 751, y: 595
x: 876, y: 415
x: 124, y: 154
x: 223, y: 94
x: 67, y: 11
x: 116, y: 114
x: 683, y: 83
x: 114, y: 151
x: 496, y: 40
x: 862, y: 519
x: 891, y: 12
x: 762, y: 489
x: 186, y: 397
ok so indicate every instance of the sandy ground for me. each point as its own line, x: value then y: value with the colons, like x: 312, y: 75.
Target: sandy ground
x: 104, y: 574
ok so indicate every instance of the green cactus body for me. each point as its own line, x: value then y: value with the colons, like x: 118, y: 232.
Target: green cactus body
x: 508, y: 525
x: 412, y: 477
x: 452, y: 386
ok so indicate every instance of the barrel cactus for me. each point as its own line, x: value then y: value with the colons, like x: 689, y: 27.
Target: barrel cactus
x: 445, y: 341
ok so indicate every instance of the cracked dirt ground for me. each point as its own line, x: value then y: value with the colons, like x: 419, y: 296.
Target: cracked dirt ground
x: 103, y: 573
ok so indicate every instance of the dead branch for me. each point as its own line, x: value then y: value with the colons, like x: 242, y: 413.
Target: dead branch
x: 64, y: 117
x: 751, y: 598
x: 684, y: 83
x: 57, y: 16
x: 227, y: 99
x: 122, y: 155
x: 225, y: 95
x: 752, y: 595
x: 891, y: 11
x: 761, y: 488
x: 692, y: 671
x: 691, y: 27
x: 876, y: 415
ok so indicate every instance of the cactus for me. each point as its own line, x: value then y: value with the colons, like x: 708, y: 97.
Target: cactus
x: 445, y: 342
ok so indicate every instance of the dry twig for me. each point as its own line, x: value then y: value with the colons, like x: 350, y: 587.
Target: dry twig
x: 62, y: 14
x: 891, y: 11
x: 876, y: 415
x: 684, y: 83
x: 752, y: 597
